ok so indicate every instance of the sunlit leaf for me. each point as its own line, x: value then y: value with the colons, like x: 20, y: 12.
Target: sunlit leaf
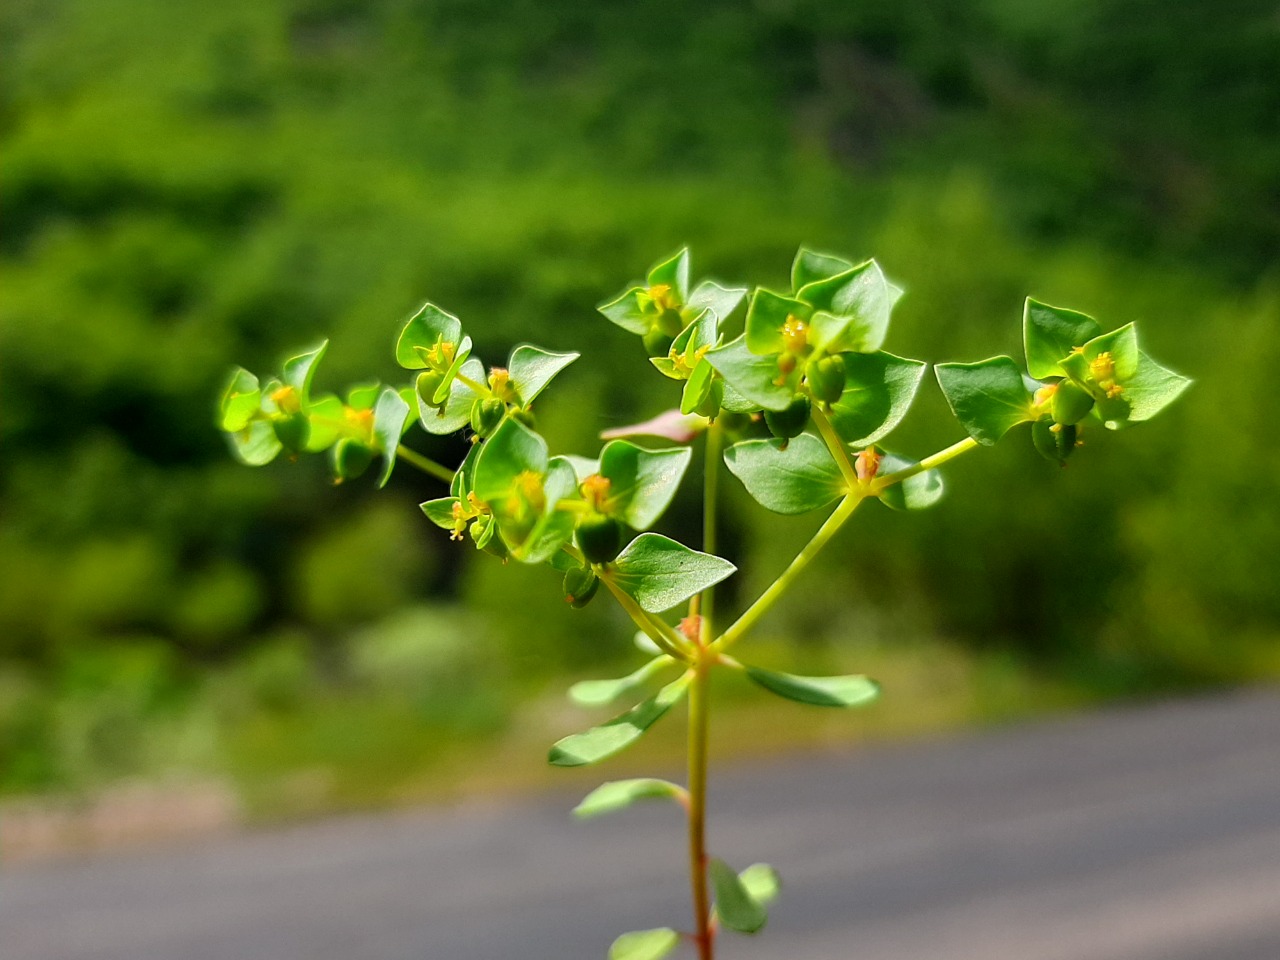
x: 810, y: 266
x: 1050, y: 333
x: 673, y: 272
x: 796, y: 478
x: 422, y: 331
x: 600, y: 743
x: 512, y: 450
x: 917, y: 492
x: 642, y: 482
x: 327, y: 415
x: 754, y: 377
x: 598, y: 693
x: 767, y: 313
x: 239, y: 401
x: 735, y: 906
x: 389, y: 416
x: 847, y: 691
x: 532, y: 368
x: 987, y: 397
x: 256, y: 444
x: 659, y: 573
x: 456, y: 412
x: 858, y: 302
x: 721, y: 301
x: 645, y: 944
x: 879, y: 388
x: 761, y: 882
x: 620, y: 794
x: 299, y: 371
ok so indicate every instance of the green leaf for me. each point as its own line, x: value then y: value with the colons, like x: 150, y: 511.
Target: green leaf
x: 849, y: 691
x: 987, y: 397
x: 658, y: 573
x: 1146, y: 393
x: 389, y: 417
x: 737, y: 909
x: 239, y: 401
x: 879, y: 388
x: 753, y: 376
x: 918, y: 492
x: 702, y: 331
x: 555, y: 527
x: 697, y: 388
x: 299, y: 371
x: 422, y: 331
x: 861, y: 300
x: 600, y: 743
x: 810, y: 266
x: 364, y: 396
x: 645, y: 944
x: 795, y: 479
x: 626, y: 312
x: 598, y: 693
x: 1122, y: 344
x: 327, y: 415
x: 642, y: 482
x: 512, y: 450
x: 440, y: 512
x: 766, y: 315
x: 256, y: 444
x: 721, y: 301
x: 761, y: 882
x: 532, y: 368
x: 460, y: 355
x: 674, y: 272
x: 1050, y: 333
x: 620, y: 794
x: 462, y: 477
x: 456, y: 412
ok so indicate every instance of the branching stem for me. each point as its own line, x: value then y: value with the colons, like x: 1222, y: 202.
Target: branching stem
x: 425, y: 464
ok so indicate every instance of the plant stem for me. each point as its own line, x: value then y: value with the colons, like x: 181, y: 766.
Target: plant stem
x: 710, y: 497
x: 928, y: 463
x: 839, y: 452
x: 657, y: 631
x: 479, y: 389
x: 424, y: 464
x: 698, y: 805
x: 767, y: 599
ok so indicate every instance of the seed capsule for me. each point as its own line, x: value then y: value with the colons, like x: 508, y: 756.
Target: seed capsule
x: 826, y: 378
x: 1054, y: 441
x: 599, y: 537
x: 427, y: 384
x: 788, y: 423
x: 486, y: 414
x: 580, y: 585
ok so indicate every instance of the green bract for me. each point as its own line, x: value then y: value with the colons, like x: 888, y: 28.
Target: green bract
x: 794, y: 401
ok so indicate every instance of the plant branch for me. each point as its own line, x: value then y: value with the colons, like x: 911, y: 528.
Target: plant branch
x: 657, y: 631
x: 698, y: 724
x: 928, y: 463
x: 839, y: 452
x: 424, y: 464
x: 767, y: 599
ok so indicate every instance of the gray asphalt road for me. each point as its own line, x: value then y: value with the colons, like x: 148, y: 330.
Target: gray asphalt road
x: 1138, y: 834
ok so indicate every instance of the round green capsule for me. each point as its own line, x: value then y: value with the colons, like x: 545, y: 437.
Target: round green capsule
x: 486, y: 414
x: 427, y: 384
x: 580, y: 585
x: 599, y: 537
x: 657, y: 344
x: 292, y: 431
x: 788, y: 423
x: 826, y: 378
x: 351, y: 458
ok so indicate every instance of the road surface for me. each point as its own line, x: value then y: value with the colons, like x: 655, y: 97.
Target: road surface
x: 1148, y: 833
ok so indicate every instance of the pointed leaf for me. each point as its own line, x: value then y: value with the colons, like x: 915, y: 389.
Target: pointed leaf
x: 1050, y: 333
x: 600, y: 743
x: 429, y: 325
x: 456, y: 412
x: 918, y: 492
x: 674, y: 272
x: 583, y: 467
x: 849, y: 691
x: 440, y: 512
x: 328, y: 418
x: 810, y: 266
x: 625, y: 311
x: 797, y: 479
x: 737, y: 909
x: 1122, y: 345
x: 879, y: 388
x: 987, y: 397
x: 299, y: 371
x: 761, y: 882
x: 767, y: 313
x: 512, y: 450
x: 598, y: 693
x: 754, y: 377
x: 697, y: 388
x: 721, y: 301
x: 645, y: 944
x: 659, y: 573
x: 462, y: 477
x: 863, y: 298
x: 239, y: 401
x: 642, y: 482
x: 532, y: 368
x: 620, y: 794
x: 364, y: 396
x: 388, y: 426
x: 1146, y: 393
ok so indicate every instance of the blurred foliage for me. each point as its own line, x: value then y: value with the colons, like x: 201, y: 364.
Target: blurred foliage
x: 186, y: 186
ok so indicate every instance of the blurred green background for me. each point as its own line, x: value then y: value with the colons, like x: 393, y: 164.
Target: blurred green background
x: 188, y: 186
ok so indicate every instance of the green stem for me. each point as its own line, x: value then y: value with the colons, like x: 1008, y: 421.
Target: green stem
x: 698, y: 717
x: 776, y: 589
x: 477, y: 388
x: 710, y: 497
x: 424, y: 464
x: 654, y: 629
x: 928, y: 463
x: 839, y: 452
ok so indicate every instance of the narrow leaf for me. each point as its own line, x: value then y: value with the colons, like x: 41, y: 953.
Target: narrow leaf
x: 620, y: 794
x: 849, y: 691
x: 645, y: 944
x: 600, y: 743
x: 797, y: 479
x: 987, y: 397
x: 659, y: 573
x: 597, y: 693
x: 737, y: 909
x: 532, y: 368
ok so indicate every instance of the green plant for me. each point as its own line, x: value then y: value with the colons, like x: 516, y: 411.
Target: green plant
x: 796, y: 406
